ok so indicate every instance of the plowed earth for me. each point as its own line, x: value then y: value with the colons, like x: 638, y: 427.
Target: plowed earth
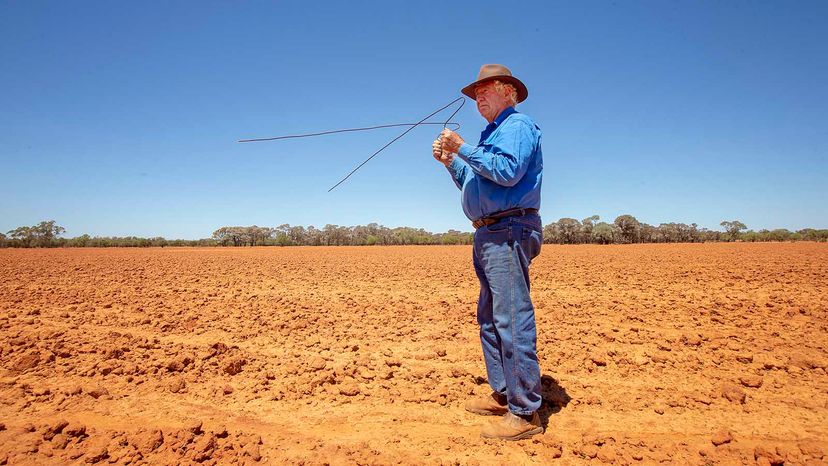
x: 690, y: 354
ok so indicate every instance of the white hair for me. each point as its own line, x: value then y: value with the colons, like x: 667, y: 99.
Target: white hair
x: 506, y: 90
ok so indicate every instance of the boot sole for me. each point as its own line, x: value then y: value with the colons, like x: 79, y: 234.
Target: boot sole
x: 484, y: 412
x: 521, y: 436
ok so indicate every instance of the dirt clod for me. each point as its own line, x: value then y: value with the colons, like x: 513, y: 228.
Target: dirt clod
x: 721, y: 437
x: 733, y: 393
x: 752, y: 381
x: 234, y: 366
x: 97, y: 392
x: 177, y: 384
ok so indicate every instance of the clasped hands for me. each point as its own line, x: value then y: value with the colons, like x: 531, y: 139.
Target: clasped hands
x: 446, y: 146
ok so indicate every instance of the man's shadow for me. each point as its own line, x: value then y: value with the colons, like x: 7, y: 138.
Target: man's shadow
x: 554, y: 397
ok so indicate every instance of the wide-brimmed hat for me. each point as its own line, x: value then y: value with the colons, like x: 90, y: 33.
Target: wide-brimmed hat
x: 500, y: 73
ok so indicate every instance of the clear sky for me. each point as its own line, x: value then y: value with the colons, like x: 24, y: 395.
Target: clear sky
x: 120, y: 118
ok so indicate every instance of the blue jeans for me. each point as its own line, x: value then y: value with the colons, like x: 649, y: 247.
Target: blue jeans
x: 502, y: 254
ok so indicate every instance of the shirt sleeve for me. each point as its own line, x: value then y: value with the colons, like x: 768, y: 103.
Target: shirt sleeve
x: 507, y: 159
x: 459, y: 172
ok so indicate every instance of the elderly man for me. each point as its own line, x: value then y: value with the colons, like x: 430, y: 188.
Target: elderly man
x: 500, y: 181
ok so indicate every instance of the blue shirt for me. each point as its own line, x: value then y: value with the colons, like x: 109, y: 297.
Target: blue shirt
x: 504, y: 170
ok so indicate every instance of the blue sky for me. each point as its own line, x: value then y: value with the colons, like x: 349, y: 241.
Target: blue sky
x: 120, y: 118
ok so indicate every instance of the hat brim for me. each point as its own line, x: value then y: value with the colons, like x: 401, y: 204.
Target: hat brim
x: 522, y: 92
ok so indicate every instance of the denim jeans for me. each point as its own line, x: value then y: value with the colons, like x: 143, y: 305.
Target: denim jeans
x: 502, y: 254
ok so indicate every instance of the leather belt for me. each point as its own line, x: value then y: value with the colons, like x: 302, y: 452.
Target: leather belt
x: 497, y: 216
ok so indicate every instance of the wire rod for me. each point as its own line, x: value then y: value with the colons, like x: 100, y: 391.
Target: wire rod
x: 411, y: 126
x: 459, y: 99
x: 347, y: 130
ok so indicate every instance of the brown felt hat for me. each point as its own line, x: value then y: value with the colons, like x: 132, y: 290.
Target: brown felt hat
x: 500, y: 73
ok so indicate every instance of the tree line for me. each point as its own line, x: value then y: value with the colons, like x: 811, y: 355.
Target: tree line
x: 335, y: 235
x: 625, y: 229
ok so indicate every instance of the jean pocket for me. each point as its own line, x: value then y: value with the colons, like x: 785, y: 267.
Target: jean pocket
x: 529, y: 225
x: 499, y: 226
x: 531, y: 241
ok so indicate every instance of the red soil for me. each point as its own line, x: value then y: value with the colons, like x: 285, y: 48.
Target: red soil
x: 692, y: 354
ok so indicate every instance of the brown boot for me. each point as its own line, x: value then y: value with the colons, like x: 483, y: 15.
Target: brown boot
x: 492, y: 405
x: 512, y: 427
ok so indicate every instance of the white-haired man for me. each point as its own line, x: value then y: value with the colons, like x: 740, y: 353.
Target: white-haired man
x: 500, y: 181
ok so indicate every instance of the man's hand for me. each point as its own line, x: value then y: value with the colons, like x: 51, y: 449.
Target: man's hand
x: 439, y: 154
x: 451, y: 140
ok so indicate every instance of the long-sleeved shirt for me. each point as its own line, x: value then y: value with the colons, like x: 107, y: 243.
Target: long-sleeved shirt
x: 504, y: 170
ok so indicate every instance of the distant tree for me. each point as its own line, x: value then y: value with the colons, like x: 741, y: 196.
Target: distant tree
x: 749, y: 236
x: 2, y: 240
x: 695, y: 235
x: 569, y: 231
x: 666, y: 233
x: 684, y: 233
x: 222, y: 236
x: 24, y: 235
x: 230, y: 236
x: 587, y: 225
x: 604, y: 233
x: 260, y: 235
x: 385, y: 235
x: 808, y: 234
x: 81, y: 241
x: 733, y: 228
x: 550, y: 234
x: 296, y: 234
x: 629, y: 228
x: 780, y: 234
x: 811, y: 234
x: 313, y: 237
x: 46, y: 232
x: 710, y: 235
x: 282, y: 239
x: 335, y: 235
x: 359, y: 235
x: 244, y: 236
x: 158, y: 241
x: 374, y: 230
x: 648, y: 233
x: 408, y: 235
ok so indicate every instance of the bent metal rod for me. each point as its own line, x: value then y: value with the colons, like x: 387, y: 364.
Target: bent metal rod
x: 411, y: 126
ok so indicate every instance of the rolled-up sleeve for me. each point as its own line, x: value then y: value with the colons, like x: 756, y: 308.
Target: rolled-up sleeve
x: 506, y: 162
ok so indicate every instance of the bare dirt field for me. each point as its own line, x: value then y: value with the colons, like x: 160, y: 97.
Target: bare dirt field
x: 687, y: 354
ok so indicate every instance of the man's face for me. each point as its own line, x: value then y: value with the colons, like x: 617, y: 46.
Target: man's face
x: 489, y: 102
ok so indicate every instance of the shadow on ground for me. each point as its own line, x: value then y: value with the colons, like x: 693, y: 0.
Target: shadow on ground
x: 554, y: 397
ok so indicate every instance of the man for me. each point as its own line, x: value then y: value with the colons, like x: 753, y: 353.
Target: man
x: 500, y: 180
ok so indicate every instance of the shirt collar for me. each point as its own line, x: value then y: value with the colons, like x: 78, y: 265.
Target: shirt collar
x: 500, y: 118
x: 504, y: 114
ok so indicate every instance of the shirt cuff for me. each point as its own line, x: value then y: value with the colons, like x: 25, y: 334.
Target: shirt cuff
x: 465, y: 150
x: 455, y: 167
